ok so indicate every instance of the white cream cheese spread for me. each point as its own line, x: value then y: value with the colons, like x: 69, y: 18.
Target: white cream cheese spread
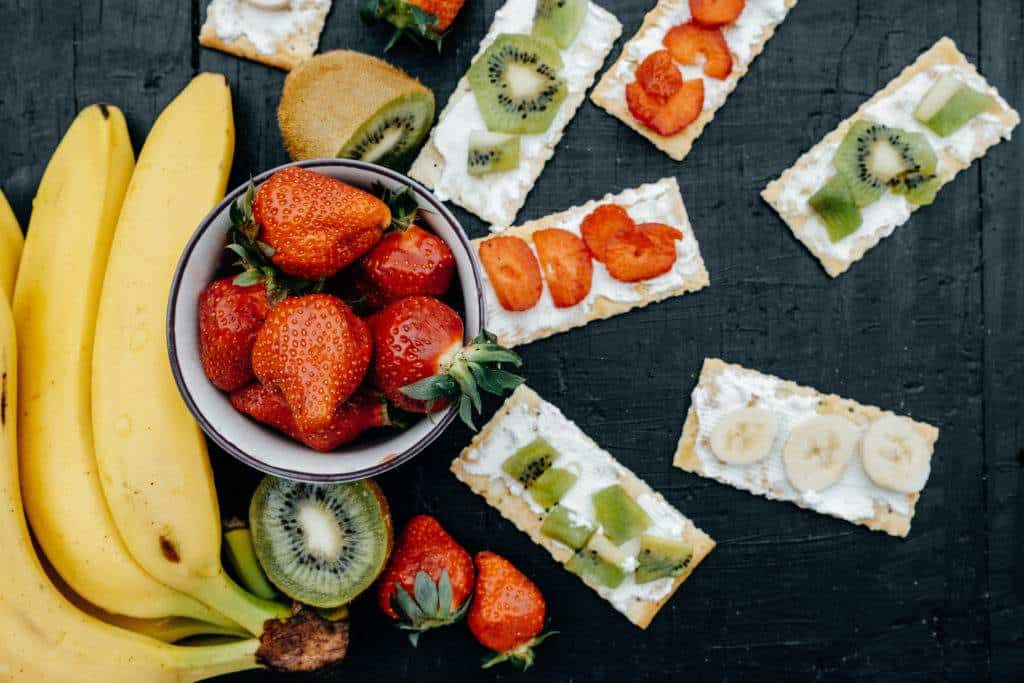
x: 595, y: 469
x: 497, y: 197
x: 852, y: 498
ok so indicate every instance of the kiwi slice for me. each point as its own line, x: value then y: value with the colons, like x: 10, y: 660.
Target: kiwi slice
x: 600, y: 561
x: 921, y: 183
x: 949, y: 104
x: 661, y: 557
x: 492, y: 152
x: 529, y: 462
x: 562, y: 525
x: 516, y: 84
x: 835, y: 205
x: 549, y: 487
x: 320, y: 544
x: 559, y: 20
x: 348, y: 104
x: 619, y: 514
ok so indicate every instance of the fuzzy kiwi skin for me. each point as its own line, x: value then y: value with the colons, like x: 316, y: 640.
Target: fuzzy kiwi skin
x: 258, y: 499
x: 326, y: 101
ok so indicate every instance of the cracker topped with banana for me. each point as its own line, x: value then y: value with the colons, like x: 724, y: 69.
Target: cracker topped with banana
x: 784, y: 441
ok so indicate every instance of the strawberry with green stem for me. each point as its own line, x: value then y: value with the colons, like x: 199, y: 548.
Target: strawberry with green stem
x: 417, y: 20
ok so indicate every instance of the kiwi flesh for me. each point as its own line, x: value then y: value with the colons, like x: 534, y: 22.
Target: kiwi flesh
x: 620, y: 515
x: 559, y: 21
x: 492, y: 153
x: 348, y: 104
x: 599, y: 561
x: 516, y: 84
x: 835, y: 205
x: 949, y: 104
x: 563, y: 526
x: 873, y: 158
x: 660, y: 558
x: 531, y: 461
x: 549, y: 487
x: 320, y: 544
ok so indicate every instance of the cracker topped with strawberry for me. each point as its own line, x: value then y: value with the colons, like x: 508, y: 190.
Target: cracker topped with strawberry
x: 589, y: 262
x: 333, y: 320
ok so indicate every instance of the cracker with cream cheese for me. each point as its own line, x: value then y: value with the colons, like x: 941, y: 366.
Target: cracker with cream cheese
x: 515, y: 508
x: 487, y: 196
x: 883, y: 510
x: 278, y: 33
x: 789, y: 195
x: 688, y: 275
x: 610, y: 93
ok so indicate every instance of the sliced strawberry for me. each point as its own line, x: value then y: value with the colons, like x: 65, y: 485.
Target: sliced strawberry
x: 690, y: 42
x: 513, y: 271
x: 661, y: 233
x: 634, y: 255
x: 659, y: 75
x: 671, y: 116
x: 600, y: 224
x: 714, y: 13
x: 566, y: 263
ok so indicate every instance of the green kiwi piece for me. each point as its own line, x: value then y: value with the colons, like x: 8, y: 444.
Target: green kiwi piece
x: 392, y: 135
x: 516, y: 84
x: 492, y: 152
x: 869, y: 156
x: 561, y: 524
x: 661, y: 557
x: 559, y: 21
x: 835, y: 205
x: 549, y: 487
x: 600, y: 561
x: 619, y: 514
x: 949, y: 104
x: 529, y: 462
x: 920, y: 184
x: 320, y: 544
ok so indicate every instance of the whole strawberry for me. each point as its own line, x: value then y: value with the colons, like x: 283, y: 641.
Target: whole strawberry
x: 229, y: 318
x: 508, y: 611
x: 404, y: 263
x: 315, y: 351
x: 315, y: 225
x: 421, y: 365
x: 359, y: 413
x: 429, y: 579
x: 418, y: 19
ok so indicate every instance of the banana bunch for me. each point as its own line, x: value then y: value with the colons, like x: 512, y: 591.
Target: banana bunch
x: 114, y: 475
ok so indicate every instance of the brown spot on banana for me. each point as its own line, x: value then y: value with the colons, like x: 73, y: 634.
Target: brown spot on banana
x: 169, y: 550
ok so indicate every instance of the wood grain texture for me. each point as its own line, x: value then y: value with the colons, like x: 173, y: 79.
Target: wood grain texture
x: 929, y: 324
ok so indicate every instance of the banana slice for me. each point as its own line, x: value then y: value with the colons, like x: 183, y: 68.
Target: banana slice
x: 744, y: 436
x: 895, y: 455
x: 817, y: 452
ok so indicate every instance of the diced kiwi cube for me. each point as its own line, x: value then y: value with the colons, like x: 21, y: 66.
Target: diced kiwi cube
x: 549, y: 487
x: 949, y: 104
x: 661, y: 557
x: 837, y: 209
x: 599, y: 561
x: 562, y: 525
x: 529, y: 462
x: 620, y: 515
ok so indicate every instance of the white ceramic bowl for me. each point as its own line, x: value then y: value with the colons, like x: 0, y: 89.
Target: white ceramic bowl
x: 247, y: 440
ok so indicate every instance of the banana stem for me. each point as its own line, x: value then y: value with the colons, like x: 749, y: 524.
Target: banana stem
x: 200, y: 662
x: 230, y: 599
x: 241, y: 556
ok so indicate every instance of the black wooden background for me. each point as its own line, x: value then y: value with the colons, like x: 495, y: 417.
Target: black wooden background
x: 930, y: 323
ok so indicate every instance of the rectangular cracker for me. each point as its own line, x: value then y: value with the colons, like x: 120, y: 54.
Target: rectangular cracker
x: 658, y: 202
x: 788, y: 194
x: 497, y: 198
x: 241, y: 34
x: 517, y: 510
x: 694, y: 453
x: 610, y: 92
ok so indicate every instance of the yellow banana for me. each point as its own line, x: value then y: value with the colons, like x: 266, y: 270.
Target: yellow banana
x: 43, y: 637
x: 152, y: 457
x: 11, y: 240
x: 56, y: 297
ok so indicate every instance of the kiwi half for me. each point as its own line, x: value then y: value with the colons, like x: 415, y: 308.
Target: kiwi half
x: 516, y: 84
x: 320, y: 544
x: 559, y: 21
x: 348, y: 104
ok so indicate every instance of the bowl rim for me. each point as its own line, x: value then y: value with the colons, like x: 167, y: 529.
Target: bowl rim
x: 440, y: 423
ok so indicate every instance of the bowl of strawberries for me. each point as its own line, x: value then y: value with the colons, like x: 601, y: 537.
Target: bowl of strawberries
x: 325, y: 322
